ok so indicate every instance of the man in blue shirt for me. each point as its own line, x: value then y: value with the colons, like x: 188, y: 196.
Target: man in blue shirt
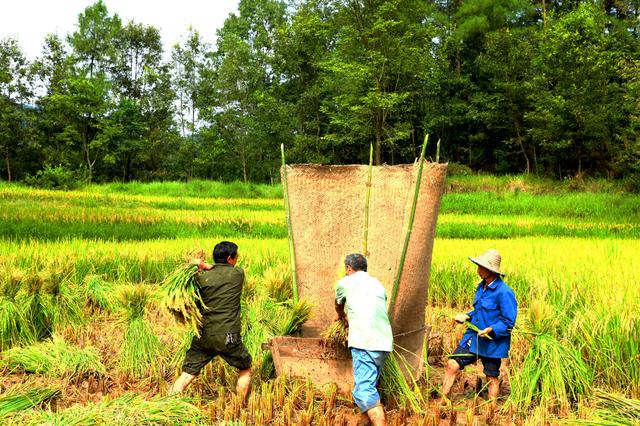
x: 494, y: 313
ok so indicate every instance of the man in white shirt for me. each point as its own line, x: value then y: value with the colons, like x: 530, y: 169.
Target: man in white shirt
x: 362, y: 300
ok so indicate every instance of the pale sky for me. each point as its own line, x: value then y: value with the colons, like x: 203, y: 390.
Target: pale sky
x: 30, y: 21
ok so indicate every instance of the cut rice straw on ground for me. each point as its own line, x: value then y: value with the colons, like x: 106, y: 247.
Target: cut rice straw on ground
x: 53, y: 358
x: 23, y: 398
x: 180, y: 295
x: 613, y: 409
x: 126, y: 410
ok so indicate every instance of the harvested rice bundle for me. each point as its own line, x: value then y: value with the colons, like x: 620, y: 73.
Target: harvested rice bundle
x: 14, y: 325
x: 61, y: 301
x: 141, y: 349
x: 53, y: 358
x: 552, y: 374
x: 296, y: 315
x: 614, y: 407
x: 181, y: 296
x: 612, y: 410
x: 35, y: 311
x: 337, y: 334
x: 23, y: 397
x: 126, y: 410
x: 98, y: 294
x: 395, y: 385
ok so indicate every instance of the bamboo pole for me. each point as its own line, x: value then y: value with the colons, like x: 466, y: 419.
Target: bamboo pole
x: 287, y: 209
x: 366, y: 203
x: 396, y: 283
x: 438, y: 151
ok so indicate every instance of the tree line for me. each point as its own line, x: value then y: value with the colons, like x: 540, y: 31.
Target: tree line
x: 507, y: 86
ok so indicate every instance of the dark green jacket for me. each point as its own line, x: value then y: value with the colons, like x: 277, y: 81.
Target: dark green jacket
x: 221, y: 290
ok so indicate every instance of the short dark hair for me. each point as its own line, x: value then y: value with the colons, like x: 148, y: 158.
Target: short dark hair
x: 224, y: 250
x: 357, y: 261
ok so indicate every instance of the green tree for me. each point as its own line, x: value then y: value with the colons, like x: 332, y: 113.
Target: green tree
x: 15, y: 93
x: 92, y: 42
x: 576, y: 93
x: 83, y: 105
x: 140, y: 113
x: 243, y: 104
x: 380, y: 52
x: 187, y: 62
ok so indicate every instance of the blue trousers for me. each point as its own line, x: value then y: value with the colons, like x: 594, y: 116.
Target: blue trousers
x: 367, y: 366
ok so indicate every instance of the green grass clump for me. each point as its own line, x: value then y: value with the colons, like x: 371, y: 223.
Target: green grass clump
x: 53, y: 358
x: 552, y: 374
x: 141, y: 352
x: 23, y: 397
x: 180, y: 294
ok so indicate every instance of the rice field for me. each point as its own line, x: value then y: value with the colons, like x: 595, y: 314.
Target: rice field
x: 85, y: 339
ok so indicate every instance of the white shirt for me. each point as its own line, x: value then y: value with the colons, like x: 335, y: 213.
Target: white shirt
x: 366, y: 306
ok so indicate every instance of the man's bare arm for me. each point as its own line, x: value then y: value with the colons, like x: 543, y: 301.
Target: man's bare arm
x: 340, y: 311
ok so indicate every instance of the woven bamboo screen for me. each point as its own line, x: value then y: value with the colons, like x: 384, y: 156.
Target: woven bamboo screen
x: 327, y: 208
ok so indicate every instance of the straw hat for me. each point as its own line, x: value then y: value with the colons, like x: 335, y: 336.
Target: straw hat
x: 490, y: 259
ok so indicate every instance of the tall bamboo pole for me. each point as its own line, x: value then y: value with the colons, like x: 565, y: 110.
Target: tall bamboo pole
x: 287, y: 209
x: 396, y: 283
x: 366, y: 202
x: 438, y: 151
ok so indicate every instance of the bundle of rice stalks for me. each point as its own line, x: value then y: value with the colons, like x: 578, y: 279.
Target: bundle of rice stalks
x: 12, y: 284
x: 62, y: 303
x: 552, y: 374
x: 394, y: 384
x: 14, y: 326
x: 99, y: 295
x: 35, y: 311
x: 141, y: 349
x: 297, y: 313
x: 612, y: 409
x: 23, y: 398
x: 127, y: 410
x: 337, y: 334
x: 53, y: 358
x: 181, y: 296
x: 277, y: 281
x: 264, y: 318
x: 616, y: 407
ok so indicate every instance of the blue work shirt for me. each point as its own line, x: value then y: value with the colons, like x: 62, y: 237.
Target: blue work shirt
x: 495, y: 307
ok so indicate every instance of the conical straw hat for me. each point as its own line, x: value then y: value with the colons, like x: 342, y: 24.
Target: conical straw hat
x: 490, y: 259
